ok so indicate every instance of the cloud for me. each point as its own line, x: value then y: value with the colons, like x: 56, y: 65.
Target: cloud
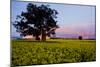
x: 86, y: 30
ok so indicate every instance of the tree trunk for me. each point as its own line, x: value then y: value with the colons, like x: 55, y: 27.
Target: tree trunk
x: 43, y: 37
x: 37, y: 37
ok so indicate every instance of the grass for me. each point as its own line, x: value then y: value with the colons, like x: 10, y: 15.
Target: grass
x: 53, y: 51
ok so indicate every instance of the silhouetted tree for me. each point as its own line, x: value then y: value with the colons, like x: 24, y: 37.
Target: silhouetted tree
x: 80, y: 37
x: 37, y: 20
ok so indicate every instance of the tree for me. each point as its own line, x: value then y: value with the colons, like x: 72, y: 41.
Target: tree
x: 80, y: 37
x: 36, y: 21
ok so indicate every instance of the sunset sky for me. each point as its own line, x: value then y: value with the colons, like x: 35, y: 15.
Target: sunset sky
x: 73, y: 20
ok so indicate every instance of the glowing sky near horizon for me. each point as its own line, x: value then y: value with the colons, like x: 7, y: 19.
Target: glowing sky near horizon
x: 72, y: 19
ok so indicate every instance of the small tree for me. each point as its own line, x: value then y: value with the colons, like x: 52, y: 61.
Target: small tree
x: 37, y: 20
x: 80, y: 37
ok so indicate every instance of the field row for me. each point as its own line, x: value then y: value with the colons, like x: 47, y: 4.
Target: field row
x: 52, y: 52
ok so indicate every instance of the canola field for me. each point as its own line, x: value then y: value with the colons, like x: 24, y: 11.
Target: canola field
x: 53, y: 51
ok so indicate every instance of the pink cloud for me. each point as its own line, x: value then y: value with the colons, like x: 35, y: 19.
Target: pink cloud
x: 64, y: 30
x: 79, y: 29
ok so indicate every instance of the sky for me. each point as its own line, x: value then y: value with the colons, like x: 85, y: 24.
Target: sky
x: 73, y: 20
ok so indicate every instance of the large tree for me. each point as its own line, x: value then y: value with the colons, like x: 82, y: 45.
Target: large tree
x: 36, y: 21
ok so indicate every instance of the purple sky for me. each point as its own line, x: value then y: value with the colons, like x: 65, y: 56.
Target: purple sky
x: 74, y: 20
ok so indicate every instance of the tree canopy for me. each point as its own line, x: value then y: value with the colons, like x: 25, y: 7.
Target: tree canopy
x: 37, y: 20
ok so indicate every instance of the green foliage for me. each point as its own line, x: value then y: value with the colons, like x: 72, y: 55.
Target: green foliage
x: 26, y: 52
